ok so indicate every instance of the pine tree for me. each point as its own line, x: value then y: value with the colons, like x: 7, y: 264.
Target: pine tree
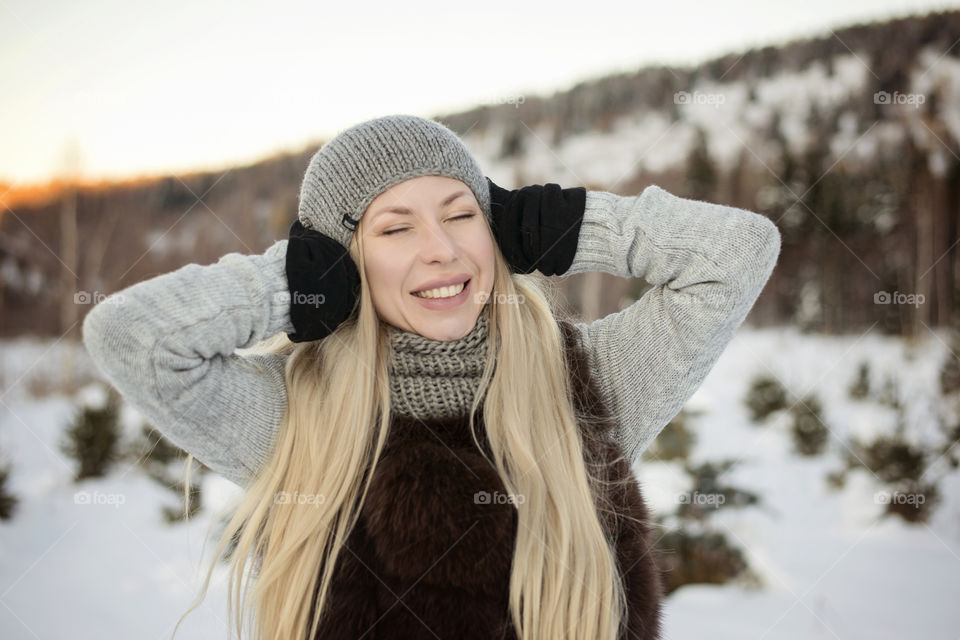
x: 93, y: 437
x: 8, y: 501
x: 701, y: 180
x: 810, y: 435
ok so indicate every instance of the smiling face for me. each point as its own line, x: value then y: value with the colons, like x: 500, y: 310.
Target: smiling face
x: 419, y: 232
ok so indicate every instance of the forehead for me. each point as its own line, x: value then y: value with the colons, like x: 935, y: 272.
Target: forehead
x: 406, y: 197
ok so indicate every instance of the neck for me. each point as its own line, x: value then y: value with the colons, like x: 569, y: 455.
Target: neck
x: 436, y: 378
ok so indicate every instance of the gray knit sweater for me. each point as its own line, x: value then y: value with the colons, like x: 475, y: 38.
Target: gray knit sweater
x: 168, y: 343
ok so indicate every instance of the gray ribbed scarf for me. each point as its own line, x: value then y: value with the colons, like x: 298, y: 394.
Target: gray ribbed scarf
x: 436, y: 378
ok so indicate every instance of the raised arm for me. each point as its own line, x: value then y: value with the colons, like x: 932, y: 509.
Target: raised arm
x: 707, y: 263
x: 167, y: 344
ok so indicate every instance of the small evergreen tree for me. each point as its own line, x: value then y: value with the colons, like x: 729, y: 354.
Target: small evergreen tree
x: 176, y: 515
x: 513, y: 144
x: 891, y: 458
x: 709, y: 494
x: 92, y: 439
x: 889, y: 395
x: 154, y: 453
x: 701, y: 179
x: 950, y: 371
x: 8, y: 501
x: 860, y: 388
x: 913, y: 501
x: 765, y: 396
x: 674, y: 441
x: 686, y: 557
x: 810, y: 435
x: 901, y: 466
x: 690, y: 553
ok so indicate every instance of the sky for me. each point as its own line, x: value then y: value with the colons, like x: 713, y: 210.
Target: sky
x: 115, y: 89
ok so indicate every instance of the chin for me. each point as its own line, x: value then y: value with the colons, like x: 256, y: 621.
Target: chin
x: 452, y: 328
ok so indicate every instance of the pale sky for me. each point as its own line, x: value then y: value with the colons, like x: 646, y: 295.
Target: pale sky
x: 136, y: 88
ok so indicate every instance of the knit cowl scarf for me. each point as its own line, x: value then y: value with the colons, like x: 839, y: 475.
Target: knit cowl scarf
x: 435, y: 378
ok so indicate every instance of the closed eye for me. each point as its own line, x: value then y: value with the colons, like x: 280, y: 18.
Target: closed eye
x: 463, y: 217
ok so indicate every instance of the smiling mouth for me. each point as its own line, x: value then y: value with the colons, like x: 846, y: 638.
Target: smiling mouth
x: 453, y: 290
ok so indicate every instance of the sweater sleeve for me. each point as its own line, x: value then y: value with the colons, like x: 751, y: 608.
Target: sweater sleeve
x: 707, y: 264
x: 167, y: 344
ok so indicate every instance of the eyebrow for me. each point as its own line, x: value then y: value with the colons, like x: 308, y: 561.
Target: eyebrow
x: 405, y: 211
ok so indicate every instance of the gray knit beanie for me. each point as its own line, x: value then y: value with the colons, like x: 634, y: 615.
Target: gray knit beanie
x: 363, y: 161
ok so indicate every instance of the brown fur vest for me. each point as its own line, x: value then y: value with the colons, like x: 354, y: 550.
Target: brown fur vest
x: 428, y: 560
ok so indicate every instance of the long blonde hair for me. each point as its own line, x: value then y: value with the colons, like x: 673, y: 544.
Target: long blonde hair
x: 564, y: 579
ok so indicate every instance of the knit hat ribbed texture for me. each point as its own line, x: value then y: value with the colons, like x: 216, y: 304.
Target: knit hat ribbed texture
x: 361, y: 162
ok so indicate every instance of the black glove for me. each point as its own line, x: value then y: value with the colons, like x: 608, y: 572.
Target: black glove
x: 323, y: 280
x: 538, y: 227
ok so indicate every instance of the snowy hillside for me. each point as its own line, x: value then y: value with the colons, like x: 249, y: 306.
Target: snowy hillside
x: 736, y: 117
x: 96, y: 560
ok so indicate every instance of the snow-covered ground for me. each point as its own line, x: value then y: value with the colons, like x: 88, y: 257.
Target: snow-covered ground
x: 97, y: 560
x: 832, y: 567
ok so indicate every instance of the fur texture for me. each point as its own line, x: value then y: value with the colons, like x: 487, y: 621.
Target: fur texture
x: 429, y: 560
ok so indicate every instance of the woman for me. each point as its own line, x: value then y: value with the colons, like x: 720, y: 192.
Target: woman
x: 455, y: 467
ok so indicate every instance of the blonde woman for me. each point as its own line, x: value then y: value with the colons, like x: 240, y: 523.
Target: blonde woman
x: 426, y: 449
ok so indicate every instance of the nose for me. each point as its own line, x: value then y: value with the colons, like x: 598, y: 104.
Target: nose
x: 436, y: 245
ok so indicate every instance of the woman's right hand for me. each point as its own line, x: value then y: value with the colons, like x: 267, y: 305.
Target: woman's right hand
x: 537, y: 227
x: 323, y: 280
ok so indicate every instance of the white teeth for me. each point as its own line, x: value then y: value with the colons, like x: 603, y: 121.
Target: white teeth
x: 442, y: 292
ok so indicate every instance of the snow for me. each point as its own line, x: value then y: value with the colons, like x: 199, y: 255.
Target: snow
x: 648, y: 141
x: 651, y: 140
x: 830, y: 565
x: 92, y: 396
x: 96, y: 559
x: 937, y: 72
x: 93, y: 559
x: 26, y: 279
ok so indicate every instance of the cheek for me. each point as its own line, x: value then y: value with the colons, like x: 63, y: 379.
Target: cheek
x: 484, y: 255
x: 384, y: 274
